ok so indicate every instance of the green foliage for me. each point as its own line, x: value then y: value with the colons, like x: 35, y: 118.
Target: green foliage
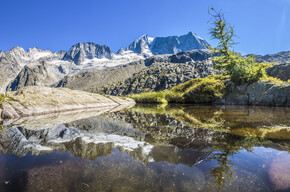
x: 149, y: 97
x: 241, y: 70
x: 201, y: 90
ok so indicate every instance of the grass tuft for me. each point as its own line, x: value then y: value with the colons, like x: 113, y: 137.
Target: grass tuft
x: 149, y: 97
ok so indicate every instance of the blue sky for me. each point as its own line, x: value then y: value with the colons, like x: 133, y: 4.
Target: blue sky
x: 262, y: 26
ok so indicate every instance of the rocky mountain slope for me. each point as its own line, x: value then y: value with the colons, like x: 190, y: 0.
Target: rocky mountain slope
x: 96, y: 78
x: 92, y: 79
x: 20, y: 68
x: 159, y: 76
x: 82, y: 57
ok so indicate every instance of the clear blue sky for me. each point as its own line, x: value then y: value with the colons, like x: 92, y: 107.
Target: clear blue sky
x: 263, y: 26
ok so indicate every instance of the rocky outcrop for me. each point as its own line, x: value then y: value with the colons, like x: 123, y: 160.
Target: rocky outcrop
x: 31, y: 101
x: 281, y: 71
x: 159, y: 76
x: 258, y: 93
x: 8, y: 71
x: 37, y: 75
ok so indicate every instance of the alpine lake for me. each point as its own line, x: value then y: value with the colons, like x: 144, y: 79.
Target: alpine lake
x: 148, y: 148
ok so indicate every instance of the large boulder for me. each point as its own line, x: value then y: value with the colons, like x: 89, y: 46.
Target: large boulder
x: 30, y: 101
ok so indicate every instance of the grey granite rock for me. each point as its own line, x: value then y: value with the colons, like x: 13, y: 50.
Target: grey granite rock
x: 281, y: 71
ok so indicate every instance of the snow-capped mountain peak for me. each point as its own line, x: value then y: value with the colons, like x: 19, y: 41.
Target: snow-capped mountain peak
x: 36, y: 53
x: 141, y: 45
x: 166, y: 45
x: 82, y: 51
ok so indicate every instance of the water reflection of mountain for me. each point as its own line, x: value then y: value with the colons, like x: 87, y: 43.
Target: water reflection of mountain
x: 185, y: 135
x: 173, y: 137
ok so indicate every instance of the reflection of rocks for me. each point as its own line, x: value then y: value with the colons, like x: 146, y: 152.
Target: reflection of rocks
x: 105, y: 124
x: 164, y: 129
x: 19, y: 142
x: 51, y: 120
x: 144, y: 136
x: 241, y: 116
x: 279, y: 173
x: 97, y: 136
x: 109, y: 152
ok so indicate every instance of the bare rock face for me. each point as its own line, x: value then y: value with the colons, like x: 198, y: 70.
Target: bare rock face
x: 281, y: 71
x: 8, y: 71
x: 37, y: 75
x: 258, y: 93
x: 31, y: 101
x: 81, y: 51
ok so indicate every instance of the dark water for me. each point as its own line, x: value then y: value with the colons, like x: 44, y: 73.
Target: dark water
x: 149, y: 148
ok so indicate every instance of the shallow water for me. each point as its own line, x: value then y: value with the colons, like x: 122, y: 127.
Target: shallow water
x: 150, y: 148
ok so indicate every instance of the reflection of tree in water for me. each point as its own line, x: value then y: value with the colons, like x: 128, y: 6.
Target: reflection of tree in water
x: 223, y: 169
x: 225, y: 150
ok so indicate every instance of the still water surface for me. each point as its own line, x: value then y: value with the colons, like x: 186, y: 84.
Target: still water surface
x: 149, y: 148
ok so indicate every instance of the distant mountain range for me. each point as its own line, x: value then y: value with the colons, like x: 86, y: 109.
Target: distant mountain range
x: 35, y: 66
x: 166, y: 45
x: 48, y: 67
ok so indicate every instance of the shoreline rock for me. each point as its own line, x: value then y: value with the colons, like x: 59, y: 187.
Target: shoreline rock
x: 260, y: 93
x: 33, y: 101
